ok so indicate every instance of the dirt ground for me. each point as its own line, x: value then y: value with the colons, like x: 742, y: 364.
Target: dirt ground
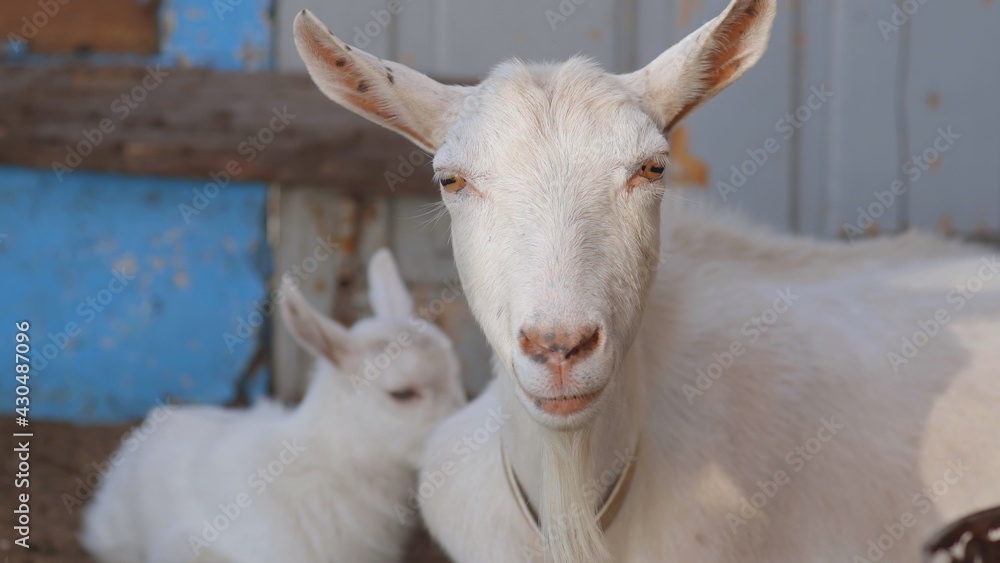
x: 61, y: 454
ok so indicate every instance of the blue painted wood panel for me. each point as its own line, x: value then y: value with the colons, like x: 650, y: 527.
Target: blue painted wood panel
x: 128, y: 303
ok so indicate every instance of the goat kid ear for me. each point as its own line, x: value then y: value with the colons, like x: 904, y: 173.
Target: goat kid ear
x: 314, y: 331
x: 390, y: 94
x: 386, y: 289
x: 705, y: 62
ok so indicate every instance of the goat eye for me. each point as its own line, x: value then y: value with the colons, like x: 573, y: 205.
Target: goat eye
x: 651, y: 170
x: 453, y: 184
x: 404, y: 394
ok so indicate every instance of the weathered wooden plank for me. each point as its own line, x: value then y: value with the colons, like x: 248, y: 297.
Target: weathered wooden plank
x: 316, y: 238
x: 224, y: 35
x: 192, y: 123
x: 68, y: 26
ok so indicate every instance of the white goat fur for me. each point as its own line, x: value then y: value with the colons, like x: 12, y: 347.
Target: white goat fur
x: 340, y: 462
x: 550, y: 229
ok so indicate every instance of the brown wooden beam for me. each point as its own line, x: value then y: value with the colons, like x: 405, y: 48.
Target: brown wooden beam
x: 195, y: 122
x: 91, y: 26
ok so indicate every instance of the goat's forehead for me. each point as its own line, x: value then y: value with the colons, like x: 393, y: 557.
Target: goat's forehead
x: 576, y: 83
x: 520, y: 103
x: 413, y: 360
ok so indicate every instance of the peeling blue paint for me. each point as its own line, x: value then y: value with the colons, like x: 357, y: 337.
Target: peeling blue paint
x: 127, y: 303
x: 222, y: 34
x: 106, y: 346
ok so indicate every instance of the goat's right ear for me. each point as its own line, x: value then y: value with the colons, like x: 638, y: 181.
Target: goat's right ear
x: 390, y: 94
x: 313, y: 330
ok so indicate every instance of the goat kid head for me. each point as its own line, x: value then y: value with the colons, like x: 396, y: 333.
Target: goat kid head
x: 399, y: 373
x: 553, y: 176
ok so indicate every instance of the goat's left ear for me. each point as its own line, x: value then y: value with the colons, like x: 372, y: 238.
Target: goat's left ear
x: 386, y: 289
x: 705, y: 62
x: 390, y: 94
x: 314, y: 331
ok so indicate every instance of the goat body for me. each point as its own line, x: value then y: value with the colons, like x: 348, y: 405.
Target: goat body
x: 795, y: 437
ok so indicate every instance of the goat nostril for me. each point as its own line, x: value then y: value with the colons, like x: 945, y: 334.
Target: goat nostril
x: 558, y: 346
x: 586, y: 344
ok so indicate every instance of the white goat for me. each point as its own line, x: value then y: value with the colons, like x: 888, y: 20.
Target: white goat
x: 321, y: 482
x: 784, y: 400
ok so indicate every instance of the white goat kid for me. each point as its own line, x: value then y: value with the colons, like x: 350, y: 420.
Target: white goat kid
x: 317, y: 483
x: 767, y: 424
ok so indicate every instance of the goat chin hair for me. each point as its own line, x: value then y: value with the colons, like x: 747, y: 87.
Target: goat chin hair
x: 570, y: 530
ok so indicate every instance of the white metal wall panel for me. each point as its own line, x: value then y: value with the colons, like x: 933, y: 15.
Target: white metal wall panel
x: 464, y: 39
x: 812, y: 40
x: 864, y: 134
x: 954, y: 80
x: 656, y: 29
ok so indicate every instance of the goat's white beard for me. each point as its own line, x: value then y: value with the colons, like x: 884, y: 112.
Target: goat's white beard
x: 570, y: 529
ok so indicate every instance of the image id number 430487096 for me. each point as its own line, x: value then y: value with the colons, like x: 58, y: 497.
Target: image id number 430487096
x: 22, y: 438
